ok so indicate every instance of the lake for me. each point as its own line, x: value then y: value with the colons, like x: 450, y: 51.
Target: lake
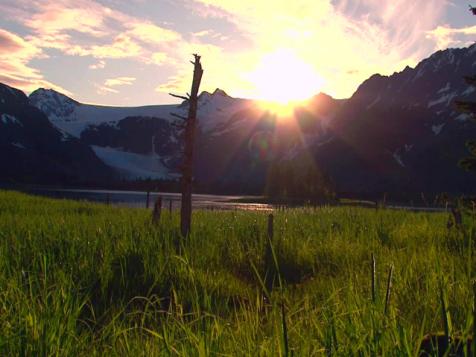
x: 138, y: 199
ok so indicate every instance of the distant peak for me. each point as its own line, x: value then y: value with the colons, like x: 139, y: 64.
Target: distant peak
x: 323, y: 95
x: 216, y: 92
x: 221, y: 92
x: 6, y: 91
x: 44, y: 93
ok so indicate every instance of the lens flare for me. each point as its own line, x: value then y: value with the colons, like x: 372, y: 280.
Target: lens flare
x: 262, y: 146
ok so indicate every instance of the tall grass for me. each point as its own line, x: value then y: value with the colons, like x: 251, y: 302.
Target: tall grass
x: 78, y: 278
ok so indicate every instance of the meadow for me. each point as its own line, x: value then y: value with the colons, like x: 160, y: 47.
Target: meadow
x: 79, y: 278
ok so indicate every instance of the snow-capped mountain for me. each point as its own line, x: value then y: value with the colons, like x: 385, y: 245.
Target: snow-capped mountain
x: 73, y: 117
x: 33, y: 150
x: 398, y: 134
x: 138, y: 142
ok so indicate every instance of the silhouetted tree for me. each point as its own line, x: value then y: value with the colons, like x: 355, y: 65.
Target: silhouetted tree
x: 298, y: 180
x: 189, y: 125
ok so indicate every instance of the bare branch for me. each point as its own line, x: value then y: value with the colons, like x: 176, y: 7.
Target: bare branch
x: 179, y: 96
x: 178, y: 116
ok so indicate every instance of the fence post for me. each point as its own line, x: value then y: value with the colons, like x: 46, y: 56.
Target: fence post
x: 270, y: 269
x: 157, y: 210
x: 374, y: 274
x: 270, y: 227
x: 389, y: 290
x: 170, y: 206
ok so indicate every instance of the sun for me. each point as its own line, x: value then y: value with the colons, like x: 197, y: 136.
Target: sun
x: 282, y: 80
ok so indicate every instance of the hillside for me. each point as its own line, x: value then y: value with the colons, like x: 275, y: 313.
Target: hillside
x: 32, y: 150
x: 402, y: 132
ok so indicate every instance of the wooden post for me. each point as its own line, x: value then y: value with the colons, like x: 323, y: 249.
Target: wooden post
x: 423, y: 198
x: 270, y: 269
x: 170, y: 206
x: 389, y: 290
x: 189, y: 126
x: 374, y: 274
x: 147, y: 200
x: 473, y: 344
x: 157, y: 210
x: 270, y: 227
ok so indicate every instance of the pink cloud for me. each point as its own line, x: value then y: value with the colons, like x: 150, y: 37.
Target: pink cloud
x: 15, y: 54
x: 87, y: 28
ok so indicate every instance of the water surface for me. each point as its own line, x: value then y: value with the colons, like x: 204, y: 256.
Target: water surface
x: 138, y: 199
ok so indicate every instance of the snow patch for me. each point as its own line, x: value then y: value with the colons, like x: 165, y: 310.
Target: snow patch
x: 446, y: 99
x: 469, y: 90
x: 398, y: 158
x: 65, y: 136
x: 437, y: 128
x: 216, y: 109
x: 420, y: 72
x: 18, y: 145
x: 376, y: 100
x: 451, y: 56
x: 10, y: 119
x: 445, y: 89
x: 463, y: 117
x: 131, y: 165
x: 408, y: 147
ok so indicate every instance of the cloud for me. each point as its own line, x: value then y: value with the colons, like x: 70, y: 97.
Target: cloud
x: 119, y: 81
x: 103, y: 90
x: 202, y: 33
x: 98, y: 65
x: 342, y: 41
x: 109, y: 85
x: 154, y: 34
x: 53, y: 18
x: 335, y: 37
x: 88, y: 28
x: 15, y: 55
x: 83, y: 28
x: 445, y: 36
x: 159, y: 58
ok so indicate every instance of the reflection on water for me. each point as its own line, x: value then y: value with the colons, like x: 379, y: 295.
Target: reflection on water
x: 138, y: 199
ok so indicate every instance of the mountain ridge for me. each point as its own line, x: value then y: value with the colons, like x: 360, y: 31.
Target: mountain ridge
x: 396, y: 133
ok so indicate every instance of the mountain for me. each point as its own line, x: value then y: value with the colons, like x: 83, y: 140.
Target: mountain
x: 138, y: 142
x: 402, y: 133
x: 398, y: 134
x: 239, y: 150
x: 33, y: 150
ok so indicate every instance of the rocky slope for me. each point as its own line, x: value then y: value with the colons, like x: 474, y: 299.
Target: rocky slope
x: 402, y: 133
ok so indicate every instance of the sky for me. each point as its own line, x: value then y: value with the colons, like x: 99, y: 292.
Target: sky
x: 135, y: 52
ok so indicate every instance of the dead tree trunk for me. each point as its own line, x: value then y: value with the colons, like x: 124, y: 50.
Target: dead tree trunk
x: 189, y: 140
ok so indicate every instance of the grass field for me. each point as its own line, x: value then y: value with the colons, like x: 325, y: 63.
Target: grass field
x: 80, y: 279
